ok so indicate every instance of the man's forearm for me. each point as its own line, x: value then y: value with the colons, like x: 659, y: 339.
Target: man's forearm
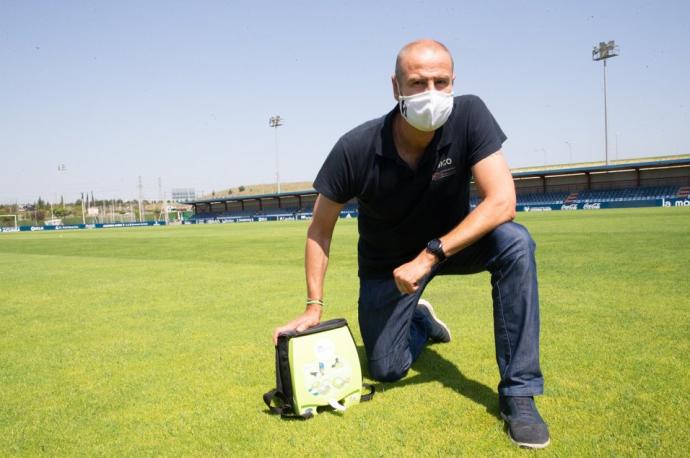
x: 495, y: 183
x: 318, y: 245
x: 488, y: 215
x: 315, y: 264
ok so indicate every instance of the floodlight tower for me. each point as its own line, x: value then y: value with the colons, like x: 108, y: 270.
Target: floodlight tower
x: 603, y: 52
x: 275, y: 122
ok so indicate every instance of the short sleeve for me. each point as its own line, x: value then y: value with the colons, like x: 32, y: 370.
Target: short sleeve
x: 485, y: 135
x: 336, y: 177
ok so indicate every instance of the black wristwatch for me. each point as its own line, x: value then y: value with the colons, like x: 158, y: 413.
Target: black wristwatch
x: 435, y: 247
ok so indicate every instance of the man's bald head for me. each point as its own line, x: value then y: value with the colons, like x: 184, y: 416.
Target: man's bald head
x: 418, y: 48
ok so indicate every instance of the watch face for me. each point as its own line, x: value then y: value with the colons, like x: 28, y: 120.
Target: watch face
x: 435, y: 247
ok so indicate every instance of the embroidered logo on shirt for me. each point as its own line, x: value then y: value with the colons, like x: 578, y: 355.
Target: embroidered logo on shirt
x: 444, y: 169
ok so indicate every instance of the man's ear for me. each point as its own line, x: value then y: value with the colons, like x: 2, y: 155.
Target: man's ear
x: 394, y: 81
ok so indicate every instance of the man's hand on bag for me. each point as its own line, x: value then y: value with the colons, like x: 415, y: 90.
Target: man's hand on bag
x: 310, y: 318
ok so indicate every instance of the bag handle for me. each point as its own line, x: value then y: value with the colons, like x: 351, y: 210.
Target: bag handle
x: 336, y: 405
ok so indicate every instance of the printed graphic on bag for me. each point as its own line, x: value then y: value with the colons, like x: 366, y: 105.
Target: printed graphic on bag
x: 328, y: 372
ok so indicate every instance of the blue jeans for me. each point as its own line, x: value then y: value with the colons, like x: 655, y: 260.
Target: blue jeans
x: 394, y: 334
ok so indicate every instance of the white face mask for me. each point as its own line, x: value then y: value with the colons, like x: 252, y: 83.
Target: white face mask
x: 426, y: 111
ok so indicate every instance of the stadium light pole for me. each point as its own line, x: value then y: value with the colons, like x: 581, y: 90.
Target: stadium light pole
x: 83, y: 215
x: 141, y: 201
x: 61, y: 170
x: 603, y: 52
x: 617, y: 145
x: 275, y: 122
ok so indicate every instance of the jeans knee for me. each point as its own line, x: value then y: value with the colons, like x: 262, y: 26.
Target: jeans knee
x: 518, y: 238
x: 383, y: 372
x: 525, y: 241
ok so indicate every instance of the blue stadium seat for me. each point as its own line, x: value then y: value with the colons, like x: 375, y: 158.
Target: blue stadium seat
x: 626, y: 194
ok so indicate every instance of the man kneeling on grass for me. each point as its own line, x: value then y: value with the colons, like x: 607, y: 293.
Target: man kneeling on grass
x: 410, y: 172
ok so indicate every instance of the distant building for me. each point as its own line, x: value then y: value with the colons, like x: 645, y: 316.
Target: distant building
x: 183, y: 194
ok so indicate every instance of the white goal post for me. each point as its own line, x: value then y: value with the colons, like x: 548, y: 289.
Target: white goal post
x: 10, y: 216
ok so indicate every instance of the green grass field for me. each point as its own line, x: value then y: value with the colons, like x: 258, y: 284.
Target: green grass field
x: 156, y: 341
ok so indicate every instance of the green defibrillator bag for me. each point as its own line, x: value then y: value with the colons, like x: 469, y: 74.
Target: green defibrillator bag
x: 316, y: 368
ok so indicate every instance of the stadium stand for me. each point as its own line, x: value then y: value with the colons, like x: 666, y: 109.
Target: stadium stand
x: 549, y: 198
x: 627, y: 194
x: 570, y: 199
x: 609, y: 195
x: 542, y: 198
x: 624, y: 183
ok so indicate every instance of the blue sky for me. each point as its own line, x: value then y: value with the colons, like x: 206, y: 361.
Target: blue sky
x: 184, y: 90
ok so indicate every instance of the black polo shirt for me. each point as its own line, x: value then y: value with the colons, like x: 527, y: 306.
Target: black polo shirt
x: 401, y: 209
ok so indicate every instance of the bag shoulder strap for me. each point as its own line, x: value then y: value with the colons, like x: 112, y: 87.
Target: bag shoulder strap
x: 368, y: 396
x: 285, y: 410
x: 271, y: 396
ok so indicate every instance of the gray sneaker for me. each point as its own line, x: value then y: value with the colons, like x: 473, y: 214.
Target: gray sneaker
x: 526, y: 428
x: 438, y: 331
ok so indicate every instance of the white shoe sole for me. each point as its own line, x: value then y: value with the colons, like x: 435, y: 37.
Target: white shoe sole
x: 526, y: 445
x: 427, y: 304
